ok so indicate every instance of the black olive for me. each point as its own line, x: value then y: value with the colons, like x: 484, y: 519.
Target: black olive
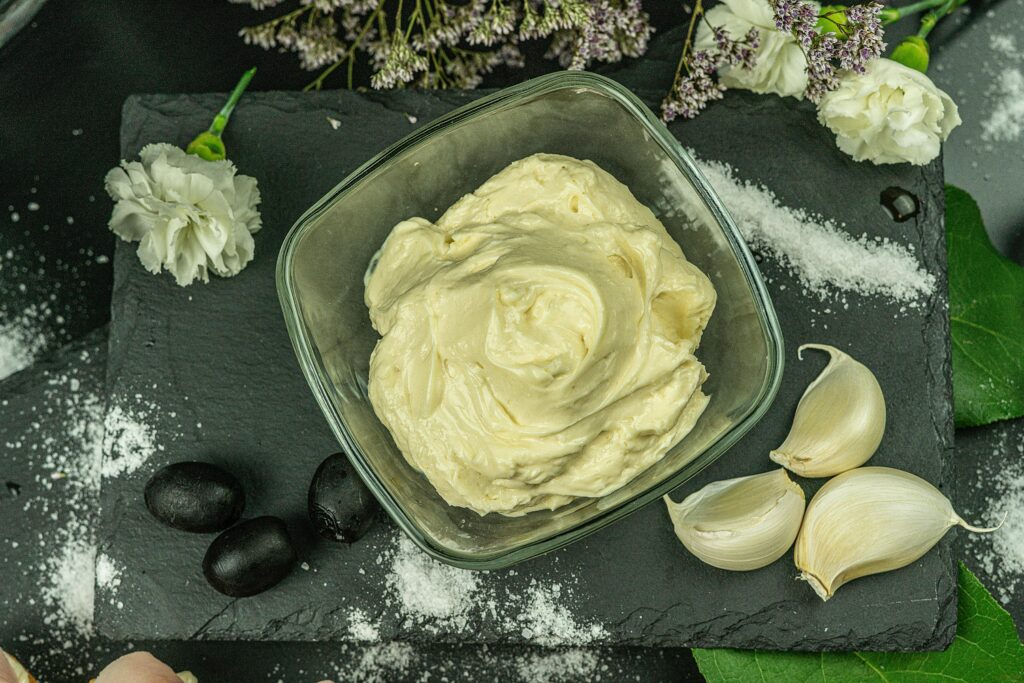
x: 250, y: 558
x: 195, y: 496
x: 340, y: 506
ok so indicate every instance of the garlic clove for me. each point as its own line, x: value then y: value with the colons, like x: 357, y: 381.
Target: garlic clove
x: 839, y: 421
x: 867, y: 521
x: 740, y: 524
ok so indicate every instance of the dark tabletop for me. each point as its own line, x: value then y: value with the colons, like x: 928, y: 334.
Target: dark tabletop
x: 62, y: 82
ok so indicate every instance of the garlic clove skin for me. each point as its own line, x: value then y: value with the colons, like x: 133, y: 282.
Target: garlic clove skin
x: 839, y: 421
x: 867, y: 521
x: 740, y: 524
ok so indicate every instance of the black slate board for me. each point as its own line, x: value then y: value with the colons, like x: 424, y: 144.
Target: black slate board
x: 218, y: 356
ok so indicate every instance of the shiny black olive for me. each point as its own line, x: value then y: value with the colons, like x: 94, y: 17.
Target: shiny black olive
x: 250, y: 557
x: 341, y: 508
x: 195, y: 496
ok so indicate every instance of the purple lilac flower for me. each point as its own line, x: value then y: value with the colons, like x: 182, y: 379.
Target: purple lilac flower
x: 859, y: 41
x: 864, y: 42
x: 693, y: 91
x: 446, y: 43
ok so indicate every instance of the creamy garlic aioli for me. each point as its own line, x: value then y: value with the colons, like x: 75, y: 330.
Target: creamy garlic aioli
x: 537, y: 342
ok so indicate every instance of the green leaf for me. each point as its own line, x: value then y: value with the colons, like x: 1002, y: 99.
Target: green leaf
x: 986, y: 316
x: 986, y: 648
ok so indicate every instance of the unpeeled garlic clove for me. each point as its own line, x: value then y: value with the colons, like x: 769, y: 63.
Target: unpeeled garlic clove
x: 867, y: 521
x: 740, y: 524
x: 839, y: 421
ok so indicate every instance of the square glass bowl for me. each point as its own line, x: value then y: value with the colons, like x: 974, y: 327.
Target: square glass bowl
x: 323, y: 260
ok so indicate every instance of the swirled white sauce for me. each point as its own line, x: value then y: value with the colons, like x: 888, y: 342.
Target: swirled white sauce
x: 537, y: 341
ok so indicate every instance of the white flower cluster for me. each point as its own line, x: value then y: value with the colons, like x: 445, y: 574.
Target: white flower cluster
x: 888, y: 114
x: 190, y: 216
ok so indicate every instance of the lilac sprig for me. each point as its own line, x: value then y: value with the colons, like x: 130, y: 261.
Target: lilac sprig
x: 441, y: 43
x: 693, y: 90
x: 853, y: 44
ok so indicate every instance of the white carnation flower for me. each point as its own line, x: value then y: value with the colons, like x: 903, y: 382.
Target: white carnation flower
x: 189, y: 215
x: 780, y: 65
x: 889, y: 115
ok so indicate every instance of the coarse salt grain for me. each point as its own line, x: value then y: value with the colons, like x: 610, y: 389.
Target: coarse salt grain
x: 820, y: 253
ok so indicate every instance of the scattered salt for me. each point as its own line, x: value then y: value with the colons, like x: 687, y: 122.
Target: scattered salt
x: 442, y: 599
x: 108, y: 573
x: 1001, y: 553
x: 559, y: 667
x: 72, y: 585
x: 548, y: 622
x: 130, y: 441
x: 1004, y: 43
x: 1006, y: 121
x: 383, y: 663
x: 22, y: 340
x: 822, y: 255
x: 361, y: 628
x: 73, y: 452
x: 33, y: 206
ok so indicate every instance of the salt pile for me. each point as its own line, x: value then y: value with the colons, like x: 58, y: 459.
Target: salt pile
x: 430, y: 593
x: 824, y: 257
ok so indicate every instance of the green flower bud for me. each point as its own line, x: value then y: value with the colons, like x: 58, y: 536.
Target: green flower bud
x: 912, y: 52
x: 830, y: 18
x: 207, y: 146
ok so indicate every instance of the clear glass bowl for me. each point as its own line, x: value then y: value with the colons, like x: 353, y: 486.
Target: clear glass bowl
x: 323, y: 260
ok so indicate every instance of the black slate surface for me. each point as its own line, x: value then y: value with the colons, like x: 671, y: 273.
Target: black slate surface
x: 41, y: 410
x: 218, y: 356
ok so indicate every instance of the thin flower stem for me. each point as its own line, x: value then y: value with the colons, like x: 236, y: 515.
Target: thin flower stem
x: 349, y: 56
x: 698, y: 12
x: 221, y: 119
x: 285, y: 17
x: 893, y: 14
x: 929, y: 20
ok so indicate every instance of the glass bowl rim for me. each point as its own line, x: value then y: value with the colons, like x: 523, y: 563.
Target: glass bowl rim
x: 317, y: 378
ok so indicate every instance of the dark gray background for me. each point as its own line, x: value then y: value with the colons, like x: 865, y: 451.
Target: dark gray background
x: 72, y: 69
